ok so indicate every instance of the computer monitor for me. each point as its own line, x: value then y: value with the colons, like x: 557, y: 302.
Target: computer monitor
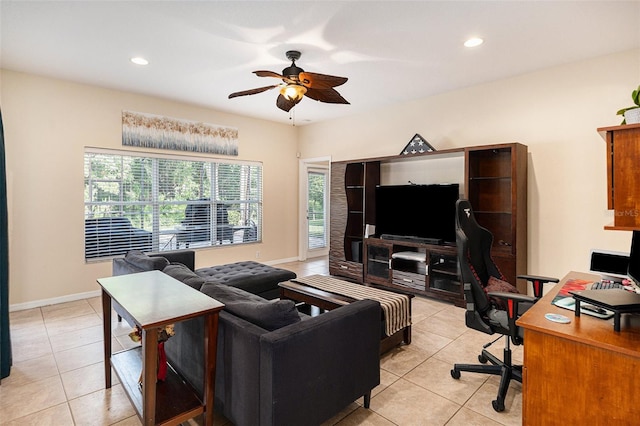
x: 633, y: 271
x: 611, y: 265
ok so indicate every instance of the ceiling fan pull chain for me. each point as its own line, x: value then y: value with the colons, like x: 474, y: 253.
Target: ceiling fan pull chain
x: 292, y: 116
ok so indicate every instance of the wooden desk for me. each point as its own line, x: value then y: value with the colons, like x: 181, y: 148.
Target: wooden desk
x: 582, y: 372
x: 154, y: 300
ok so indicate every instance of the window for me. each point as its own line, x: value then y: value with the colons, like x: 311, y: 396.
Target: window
x: 156, y: 203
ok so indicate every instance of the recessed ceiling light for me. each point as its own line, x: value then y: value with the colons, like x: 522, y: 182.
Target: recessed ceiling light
x: 139, y: 61
x: 473, y: 42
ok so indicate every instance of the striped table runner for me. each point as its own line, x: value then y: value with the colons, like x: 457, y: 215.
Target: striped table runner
x: 395, y: 306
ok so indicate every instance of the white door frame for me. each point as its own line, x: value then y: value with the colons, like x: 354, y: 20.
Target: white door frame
x: 303, y: 239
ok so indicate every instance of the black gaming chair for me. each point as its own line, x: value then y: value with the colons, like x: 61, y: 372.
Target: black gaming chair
x: 493, y: 312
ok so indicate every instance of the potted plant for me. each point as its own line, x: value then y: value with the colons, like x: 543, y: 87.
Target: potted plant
x: 632, y: 114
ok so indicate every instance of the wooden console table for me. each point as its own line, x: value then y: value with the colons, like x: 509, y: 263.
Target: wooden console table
x: 582, y: 372
x: 155, y: 300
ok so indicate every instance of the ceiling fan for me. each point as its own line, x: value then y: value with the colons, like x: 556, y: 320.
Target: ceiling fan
x: 298, y: 83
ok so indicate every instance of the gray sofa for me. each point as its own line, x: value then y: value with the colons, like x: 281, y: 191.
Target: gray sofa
x: 274, y: 366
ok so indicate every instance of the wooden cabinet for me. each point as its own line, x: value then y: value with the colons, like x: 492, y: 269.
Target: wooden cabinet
x: 377, y: 261
x: 495, y: 182
x: 444, y: 281
x: 496, y: 187
x: 623, y: 175
x: 424, y: 269
x: 352, y: 207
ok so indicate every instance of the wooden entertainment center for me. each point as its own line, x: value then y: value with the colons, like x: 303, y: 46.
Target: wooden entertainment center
x: 495, y: 182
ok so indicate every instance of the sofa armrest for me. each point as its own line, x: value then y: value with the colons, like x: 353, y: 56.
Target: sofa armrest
x: 311, y: 370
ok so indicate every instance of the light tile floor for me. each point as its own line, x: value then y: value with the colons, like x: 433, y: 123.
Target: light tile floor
x: 57, y: 375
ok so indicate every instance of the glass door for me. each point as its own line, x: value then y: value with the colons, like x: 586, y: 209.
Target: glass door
x: 316, y: 209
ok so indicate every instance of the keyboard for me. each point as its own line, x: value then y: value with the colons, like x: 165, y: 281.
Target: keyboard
x: 599, y: 285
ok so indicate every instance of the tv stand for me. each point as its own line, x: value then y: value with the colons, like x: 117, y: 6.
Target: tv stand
x: 414, y: 267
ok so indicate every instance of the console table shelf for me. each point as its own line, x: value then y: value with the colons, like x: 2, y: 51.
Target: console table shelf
x: 172, y: 396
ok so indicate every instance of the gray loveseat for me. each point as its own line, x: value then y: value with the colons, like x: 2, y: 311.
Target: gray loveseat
x: 274, y: 365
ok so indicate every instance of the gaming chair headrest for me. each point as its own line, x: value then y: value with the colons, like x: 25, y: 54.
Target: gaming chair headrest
x: 464, y: 215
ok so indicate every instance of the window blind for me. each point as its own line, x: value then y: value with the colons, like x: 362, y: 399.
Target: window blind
x: 156, y: 203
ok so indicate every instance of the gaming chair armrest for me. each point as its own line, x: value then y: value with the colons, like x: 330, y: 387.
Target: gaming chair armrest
x: 537, y: 282
x: 513, y: 301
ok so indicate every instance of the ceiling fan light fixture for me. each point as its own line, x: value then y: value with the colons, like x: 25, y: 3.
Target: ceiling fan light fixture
x: 293, y: 92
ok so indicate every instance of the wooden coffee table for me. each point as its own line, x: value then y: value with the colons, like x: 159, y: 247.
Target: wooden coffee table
x: 326, y: 300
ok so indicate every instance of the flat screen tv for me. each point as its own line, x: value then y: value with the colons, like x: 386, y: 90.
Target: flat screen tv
x: 423, y: 211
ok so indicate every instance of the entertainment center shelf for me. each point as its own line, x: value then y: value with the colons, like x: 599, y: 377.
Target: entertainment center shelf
x: 495, y: 183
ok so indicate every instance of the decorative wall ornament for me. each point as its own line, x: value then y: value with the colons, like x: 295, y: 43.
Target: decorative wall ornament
x: 417, y: 145
x: 155, y: 131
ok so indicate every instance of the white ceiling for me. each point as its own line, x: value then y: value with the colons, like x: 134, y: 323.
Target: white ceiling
x: 391, y: 51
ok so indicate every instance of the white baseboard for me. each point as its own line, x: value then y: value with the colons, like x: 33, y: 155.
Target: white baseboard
x: 95, y: 293
x: 277, y: 262
x: 53, y: 301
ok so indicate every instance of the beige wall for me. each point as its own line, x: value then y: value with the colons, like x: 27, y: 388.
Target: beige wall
x: 555, y: 112
x: 48, y: 123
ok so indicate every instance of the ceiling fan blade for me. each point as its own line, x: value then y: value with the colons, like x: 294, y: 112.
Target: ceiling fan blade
x: 285, y: 104
x: 268, y: 74
x: 252, y: 91
x: 320, y: 81
x: 330, y: 96
x: 274, y: 75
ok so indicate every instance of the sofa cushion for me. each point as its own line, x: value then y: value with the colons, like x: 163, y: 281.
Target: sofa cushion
x: 182, y: 273
x: 227, y: 294
x: 145, y: 262
x: 268, y: 315
x: 252, y: 308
